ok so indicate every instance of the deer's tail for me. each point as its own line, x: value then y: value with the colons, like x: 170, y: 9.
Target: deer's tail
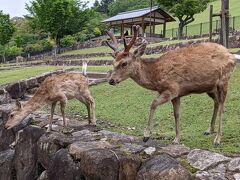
x: 84, y: 68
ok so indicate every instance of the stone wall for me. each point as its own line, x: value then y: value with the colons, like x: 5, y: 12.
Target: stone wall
x: 89, y: 152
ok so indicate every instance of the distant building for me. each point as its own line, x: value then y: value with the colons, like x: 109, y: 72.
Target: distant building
x: 147, y: 18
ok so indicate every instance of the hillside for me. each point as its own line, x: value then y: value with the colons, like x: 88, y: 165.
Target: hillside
x: 204, y: 16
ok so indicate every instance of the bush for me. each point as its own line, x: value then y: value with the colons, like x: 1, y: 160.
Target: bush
x: 68, y: 41
x: 47, y: 44
x: 13, y: 51
x: 33, y: 48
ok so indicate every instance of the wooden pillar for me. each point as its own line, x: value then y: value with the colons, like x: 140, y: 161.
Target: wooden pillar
x: 122, y: 29
x: 143, y: 27
x: 225, y: 23
x: 210, y: 23
x: 164, y: 29
x: 154, y: 23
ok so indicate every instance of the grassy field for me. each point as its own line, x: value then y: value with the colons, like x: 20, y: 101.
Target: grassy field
x: 127, y: 105
x: 9, y: 76
x: 204, y: 16
x: 105, y: 49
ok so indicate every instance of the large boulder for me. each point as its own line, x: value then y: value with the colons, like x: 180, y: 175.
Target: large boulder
x: 162, y: 167
x: 77, y: 148
x: 6, y: 164
x: 234, y: 164
x: 26, y: 153
x: 202, y: 159
x: 62, y: 167
x: 129, y: 166
x: 100, y: 164
x: 17, y: 90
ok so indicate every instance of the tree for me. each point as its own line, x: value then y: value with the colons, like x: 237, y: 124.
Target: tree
x: 58, y: 17
x: 6, y: 32
x: 184, y: 10
x: 102, y: 7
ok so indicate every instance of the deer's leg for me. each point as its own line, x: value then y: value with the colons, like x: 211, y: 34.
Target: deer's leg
x: 176, y: 107
x: 63, y: 103
x: 51, y: 116
x: 210, y: 130
x: 222, y: 92
x: 163, y: 98
x: 88, y: 100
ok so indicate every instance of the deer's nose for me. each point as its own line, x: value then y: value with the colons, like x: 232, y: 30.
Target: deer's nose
x: 111, y: 82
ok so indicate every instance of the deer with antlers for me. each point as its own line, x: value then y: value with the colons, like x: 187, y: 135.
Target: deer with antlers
x: 53, y: 89
x: 199, y: 68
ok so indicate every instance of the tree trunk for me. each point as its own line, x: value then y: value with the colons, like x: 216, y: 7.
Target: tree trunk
x: 180, y: 29
x: 57, y: 47
x: 4, y: 57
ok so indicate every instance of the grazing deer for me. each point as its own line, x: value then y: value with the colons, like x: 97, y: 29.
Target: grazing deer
x: 19, y: 59
x: 53, y: 89
x: 199, y: 68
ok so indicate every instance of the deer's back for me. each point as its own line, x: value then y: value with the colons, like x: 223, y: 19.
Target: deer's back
x: 201, y: 65
x: 69, y: 84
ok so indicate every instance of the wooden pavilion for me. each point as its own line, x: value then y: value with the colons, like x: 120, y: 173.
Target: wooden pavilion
x: 147, y: 18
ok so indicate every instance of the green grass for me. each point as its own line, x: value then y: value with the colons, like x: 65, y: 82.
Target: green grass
x: 234, y: 50
x: 8, y: 76
x: 105, y: 49
x: 128, y: 105
x: 204, y: 16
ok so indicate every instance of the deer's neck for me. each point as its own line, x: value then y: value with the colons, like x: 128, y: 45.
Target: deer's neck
x: 36, y: 102
x: 141, y: 75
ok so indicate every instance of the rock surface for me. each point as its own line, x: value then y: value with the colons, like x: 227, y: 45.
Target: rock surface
x: 175, y: 150
x: 6, y: 164
x: 100, y: 164
x: 77, y: 148
x: 234, y: 164
x: 202, y: 159
x: 162, y: 167
x: 63, y: 167
x: 26, y: 153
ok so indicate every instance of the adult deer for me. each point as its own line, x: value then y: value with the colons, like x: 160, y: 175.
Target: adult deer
x: 53, y: 89
x: 199, y: 68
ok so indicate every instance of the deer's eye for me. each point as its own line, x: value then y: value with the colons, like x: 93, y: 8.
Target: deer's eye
x: 124, y: 64
x: 11, y: 115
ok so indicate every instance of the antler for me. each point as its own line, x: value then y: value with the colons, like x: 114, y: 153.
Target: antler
x: 114, y: 40
x: 129, y: 46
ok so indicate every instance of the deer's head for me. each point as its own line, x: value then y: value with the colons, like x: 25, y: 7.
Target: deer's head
x: 15, y: 116
x: 124, y: 60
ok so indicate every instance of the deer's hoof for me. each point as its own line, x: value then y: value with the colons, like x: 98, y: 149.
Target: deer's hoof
x: 206, y: 133
x: 145, y: 139
x: 216, y: 144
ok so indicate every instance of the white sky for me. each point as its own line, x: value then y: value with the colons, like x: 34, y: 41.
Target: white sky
x: 17, y: 7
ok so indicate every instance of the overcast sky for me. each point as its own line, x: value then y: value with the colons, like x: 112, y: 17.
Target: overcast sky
x: 17, y: 7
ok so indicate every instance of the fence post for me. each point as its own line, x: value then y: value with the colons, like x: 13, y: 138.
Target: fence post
x: 217, y: 26
x: 200, y: 29
x: 210, y: 23
x: 186, y: 30
x: 172, y: 32
x: 233, y: 19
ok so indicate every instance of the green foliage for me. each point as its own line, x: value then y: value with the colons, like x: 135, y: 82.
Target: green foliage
x: 13, y: 51
x: 93, y: 27
x: 47, y: 44
x: 6, y: 28
x: 33, y: 48
x: 127, y: 5
x: 22, y: 40
x: 184, y: 10
x: 68, y: 41
x: 102, y: 6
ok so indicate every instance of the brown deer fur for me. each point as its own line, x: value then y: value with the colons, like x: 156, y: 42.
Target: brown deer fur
x: 199, y: 68
x: 53, y: 89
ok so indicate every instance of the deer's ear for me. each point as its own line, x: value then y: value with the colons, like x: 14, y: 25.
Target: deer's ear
x: 18, y: 105
x: 140, y: 51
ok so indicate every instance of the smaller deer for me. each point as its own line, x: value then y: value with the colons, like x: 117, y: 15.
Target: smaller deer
x: 200, y: 68
x: 53, y: 89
